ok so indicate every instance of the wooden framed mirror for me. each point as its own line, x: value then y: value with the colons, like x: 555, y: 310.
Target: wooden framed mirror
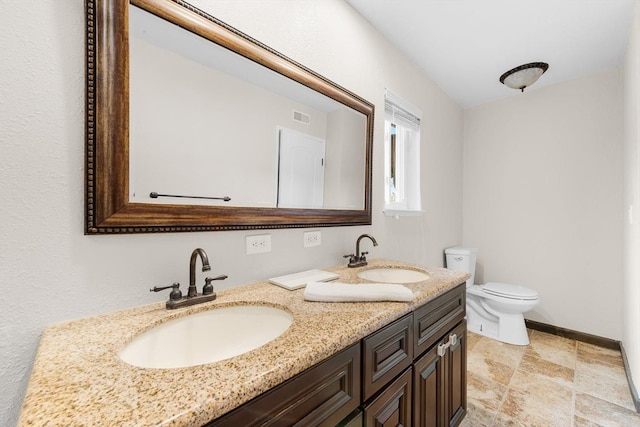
x: 133, y: 118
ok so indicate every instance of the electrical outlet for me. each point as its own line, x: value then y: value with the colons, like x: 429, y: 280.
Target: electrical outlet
x: 258, y: 244
x: 312, y: 238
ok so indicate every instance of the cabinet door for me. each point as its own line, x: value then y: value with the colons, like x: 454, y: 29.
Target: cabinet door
x: 456, y: 371
x: 440, y: 382
x: 392, y: 408
x: 428, y: 384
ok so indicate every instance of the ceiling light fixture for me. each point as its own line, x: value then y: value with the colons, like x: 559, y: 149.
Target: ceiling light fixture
x: 524, y: 75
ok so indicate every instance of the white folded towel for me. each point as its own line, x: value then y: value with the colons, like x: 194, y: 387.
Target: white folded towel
x: 345, y: 292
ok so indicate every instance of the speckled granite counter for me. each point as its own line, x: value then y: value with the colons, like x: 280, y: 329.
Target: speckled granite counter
x: 78, y: 378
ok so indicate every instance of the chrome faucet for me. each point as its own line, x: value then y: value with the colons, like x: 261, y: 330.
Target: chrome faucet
x: 359, y: 259
x: 176, y: 300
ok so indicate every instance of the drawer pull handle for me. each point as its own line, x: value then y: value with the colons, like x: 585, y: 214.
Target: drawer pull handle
x: 442, y: 348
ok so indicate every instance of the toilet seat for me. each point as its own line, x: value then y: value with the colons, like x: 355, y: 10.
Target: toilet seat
x: 506, y: 290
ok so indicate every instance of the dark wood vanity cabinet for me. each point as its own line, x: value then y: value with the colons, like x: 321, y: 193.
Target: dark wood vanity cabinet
x: 432, y: 390
x: 323, y: 395
x: 411, y: 372
x: 440, y: 367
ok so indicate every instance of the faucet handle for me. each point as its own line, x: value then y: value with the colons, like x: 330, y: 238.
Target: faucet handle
x: 352, y: 257
x: 175, y: 295
x: 363, y: 255
x: 208, y: 287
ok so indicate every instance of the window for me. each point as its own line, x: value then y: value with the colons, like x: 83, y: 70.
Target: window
x: 402, y: 156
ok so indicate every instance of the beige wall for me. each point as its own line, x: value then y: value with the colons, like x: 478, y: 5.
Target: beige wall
x: 631, y: 200
x: 542, y: 196
x: 52, y: 272
x: 179, y: 147
x: 344, y: 169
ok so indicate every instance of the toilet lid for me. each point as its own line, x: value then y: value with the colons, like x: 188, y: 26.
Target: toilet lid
x: 507, y: 290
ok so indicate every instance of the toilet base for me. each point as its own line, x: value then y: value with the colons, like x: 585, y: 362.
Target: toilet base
x: 508, y: 328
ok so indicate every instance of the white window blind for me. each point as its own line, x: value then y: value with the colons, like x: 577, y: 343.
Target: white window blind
x: 401, y: 112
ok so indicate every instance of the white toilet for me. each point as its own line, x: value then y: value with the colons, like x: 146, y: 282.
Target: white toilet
x: 494, y: 310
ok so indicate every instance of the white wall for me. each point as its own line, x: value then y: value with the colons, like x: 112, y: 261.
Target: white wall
x: 631, y: 200
x: 542, y: 196
x: 50, y: 271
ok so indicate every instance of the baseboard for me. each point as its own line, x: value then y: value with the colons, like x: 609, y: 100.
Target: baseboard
x: 632, y: 387
x: 574, y: 335
x: 590, y: 339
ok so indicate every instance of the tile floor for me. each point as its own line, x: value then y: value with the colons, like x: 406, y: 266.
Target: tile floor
x: 554, y: 381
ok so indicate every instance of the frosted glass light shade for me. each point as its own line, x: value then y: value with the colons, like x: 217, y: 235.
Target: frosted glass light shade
x: 524, y: 75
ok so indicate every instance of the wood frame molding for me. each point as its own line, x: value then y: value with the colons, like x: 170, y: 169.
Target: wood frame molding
x: 107, y: 206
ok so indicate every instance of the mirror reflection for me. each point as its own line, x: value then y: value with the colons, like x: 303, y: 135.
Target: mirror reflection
x: 207, y: 122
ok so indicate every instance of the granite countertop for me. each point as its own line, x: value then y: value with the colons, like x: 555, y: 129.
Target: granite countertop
x: 78, y: 378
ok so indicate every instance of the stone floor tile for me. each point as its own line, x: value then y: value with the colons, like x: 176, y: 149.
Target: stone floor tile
x: 559, y: 350
x: 478, y: 416
x: 549, y: 370
x: 506, y: 354
x: 530, y: 420
x: 604, y: 413
x: 554, y: 382
x: 614, y: 389
x: 484, y: 393
x: 486, y: 367
x: 550, y: 339
x: 472, y: 340
x: 530, y: 408
x: 592, y: 353
x: 582, y: 422
x: 601, y: 368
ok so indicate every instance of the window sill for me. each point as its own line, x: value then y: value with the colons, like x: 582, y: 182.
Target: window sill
x: 400, y: 212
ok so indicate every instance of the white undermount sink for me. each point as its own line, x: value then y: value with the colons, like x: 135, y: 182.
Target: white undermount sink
x: 207, y: 337
x: 393, y: 275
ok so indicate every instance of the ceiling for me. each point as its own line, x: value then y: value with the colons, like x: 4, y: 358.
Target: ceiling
x: 466, y: 45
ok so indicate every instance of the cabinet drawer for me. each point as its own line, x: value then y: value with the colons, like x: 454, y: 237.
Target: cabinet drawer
x: 386, y: 354
x: 321, y: 396
x: 436, y: 317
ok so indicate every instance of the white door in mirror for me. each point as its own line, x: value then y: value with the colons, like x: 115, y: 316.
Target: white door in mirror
x: 300, y: 170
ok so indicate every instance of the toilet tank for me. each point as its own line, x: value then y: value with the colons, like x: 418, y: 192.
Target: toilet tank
x: 463, y: 260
